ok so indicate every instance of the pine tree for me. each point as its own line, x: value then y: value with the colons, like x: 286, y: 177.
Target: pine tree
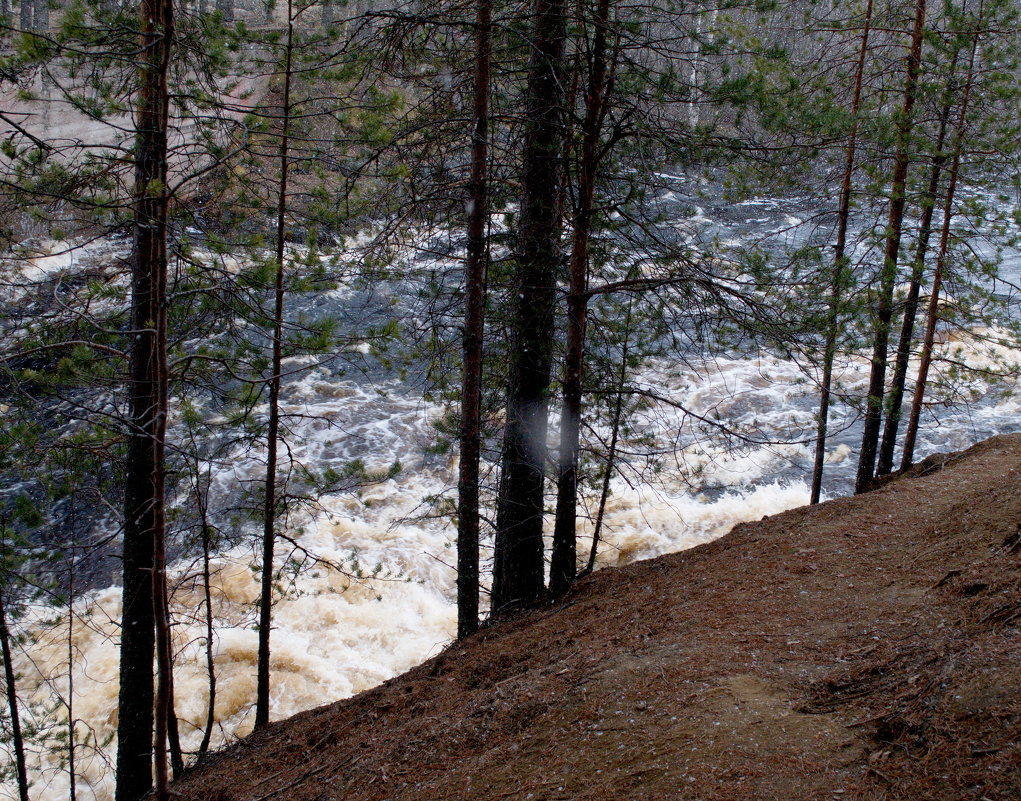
x: 598, y: 90
x: 470, y: 438
x: 269, y: 507
x: 144, y: 593
x: 839, y: 264
x: 518, y: 570
x: 932, y: 315
x: 888, y: 274
x: 895, y: 393
x: 10, y: 682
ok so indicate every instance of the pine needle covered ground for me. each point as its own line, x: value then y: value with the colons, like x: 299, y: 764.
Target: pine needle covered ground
x: 866, y: 648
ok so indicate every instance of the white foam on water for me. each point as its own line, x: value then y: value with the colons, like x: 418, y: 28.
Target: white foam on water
x: 336, y: 634
x: 838, y: 454
x: 22, y: 272
x: 391, y: 603
x: 381, y: 598
x: 642, y: 523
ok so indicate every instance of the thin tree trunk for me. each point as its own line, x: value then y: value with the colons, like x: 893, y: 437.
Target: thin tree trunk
x: 611, y: 452
x: 164, y: 709
x: 518, y: 565
x: 929, y: 337
x: 208, y: 599
x: 17, y: 739
x: 701, y: 32
x: 895, y: 394
x: 69, y: 702
x: 173, y: 733
x: 563, y: 567
x: 164, y: 666
x: 269, y: 509
x: 839, y: 267
x: 27, y: 6
x: 472, y: 343
x: 928, y: 340
x: 144, y: 517
x: 888, y: 276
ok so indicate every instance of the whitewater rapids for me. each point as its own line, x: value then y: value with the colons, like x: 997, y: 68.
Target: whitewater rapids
x: 337, y: 632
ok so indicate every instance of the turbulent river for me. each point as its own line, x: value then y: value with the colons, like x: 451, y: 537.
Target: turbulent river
x: 339, y: 632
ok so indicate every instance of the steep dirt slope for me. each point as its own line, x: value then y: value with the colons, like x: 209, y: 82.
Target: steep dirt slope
x: 867, y: 648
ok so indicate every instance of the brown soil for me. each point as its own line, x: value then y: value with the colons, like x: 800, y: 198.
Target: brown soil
x: 866, y: 648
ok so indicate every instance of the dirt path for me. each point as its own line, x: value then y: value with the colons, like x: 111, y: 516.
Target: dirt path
x: 866, y: 648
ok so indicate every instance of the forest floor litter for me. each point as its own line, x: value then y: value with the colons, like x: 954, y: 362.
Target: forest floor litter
x: 866, y: 648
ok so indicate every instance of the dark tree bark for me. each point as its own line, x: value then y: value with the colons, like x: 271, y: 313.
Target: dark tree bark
x: 929, y: 337
x: 173, y: 734
x: 895, y: 395
x: 518, y: 565
x: 472, y: 343
x: 207, y: 734
x: 269, y: 508
x: 144, y: 515
x: 72, y: 754
x: 888, y: 275
x: 611, y: 451
x: 164, y: 710
x: 839, y: 267
x: 563, y: 566
x: 17, y: 739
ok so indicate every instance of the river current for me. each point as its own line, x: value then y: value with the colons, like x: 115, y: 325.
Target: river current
x: 340, y: 631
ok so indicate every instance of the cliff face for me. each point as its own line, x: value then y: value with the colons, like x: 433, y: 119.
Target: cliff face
x: 866, y: 648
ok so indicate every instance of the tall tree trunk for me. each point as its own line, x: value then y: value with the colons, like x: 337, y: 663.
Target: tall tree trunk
x: 888, y: 276
x: 17, y: 740
x: 269, y: 509
x: 563, y: 566
x: 173, y: 733
x: 932, y: 317
x: 895, y: 395
x: 611, y: 451
x: 69, y: 702
x: 164, y: 670
x: 698, y: 41
x: 158, y: 211
x: 144, y: 514
x: 208, y: 600
x: 839, y: 266
x: 472, y: 342
x: 518, y: 564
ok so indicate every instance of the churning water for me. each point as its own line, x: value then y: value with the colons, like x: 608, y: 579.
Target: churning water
x: 378, y: 597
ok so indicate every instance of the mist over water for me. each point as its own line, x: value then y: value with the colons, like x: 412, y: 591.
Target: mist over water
x: 367, y: 589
